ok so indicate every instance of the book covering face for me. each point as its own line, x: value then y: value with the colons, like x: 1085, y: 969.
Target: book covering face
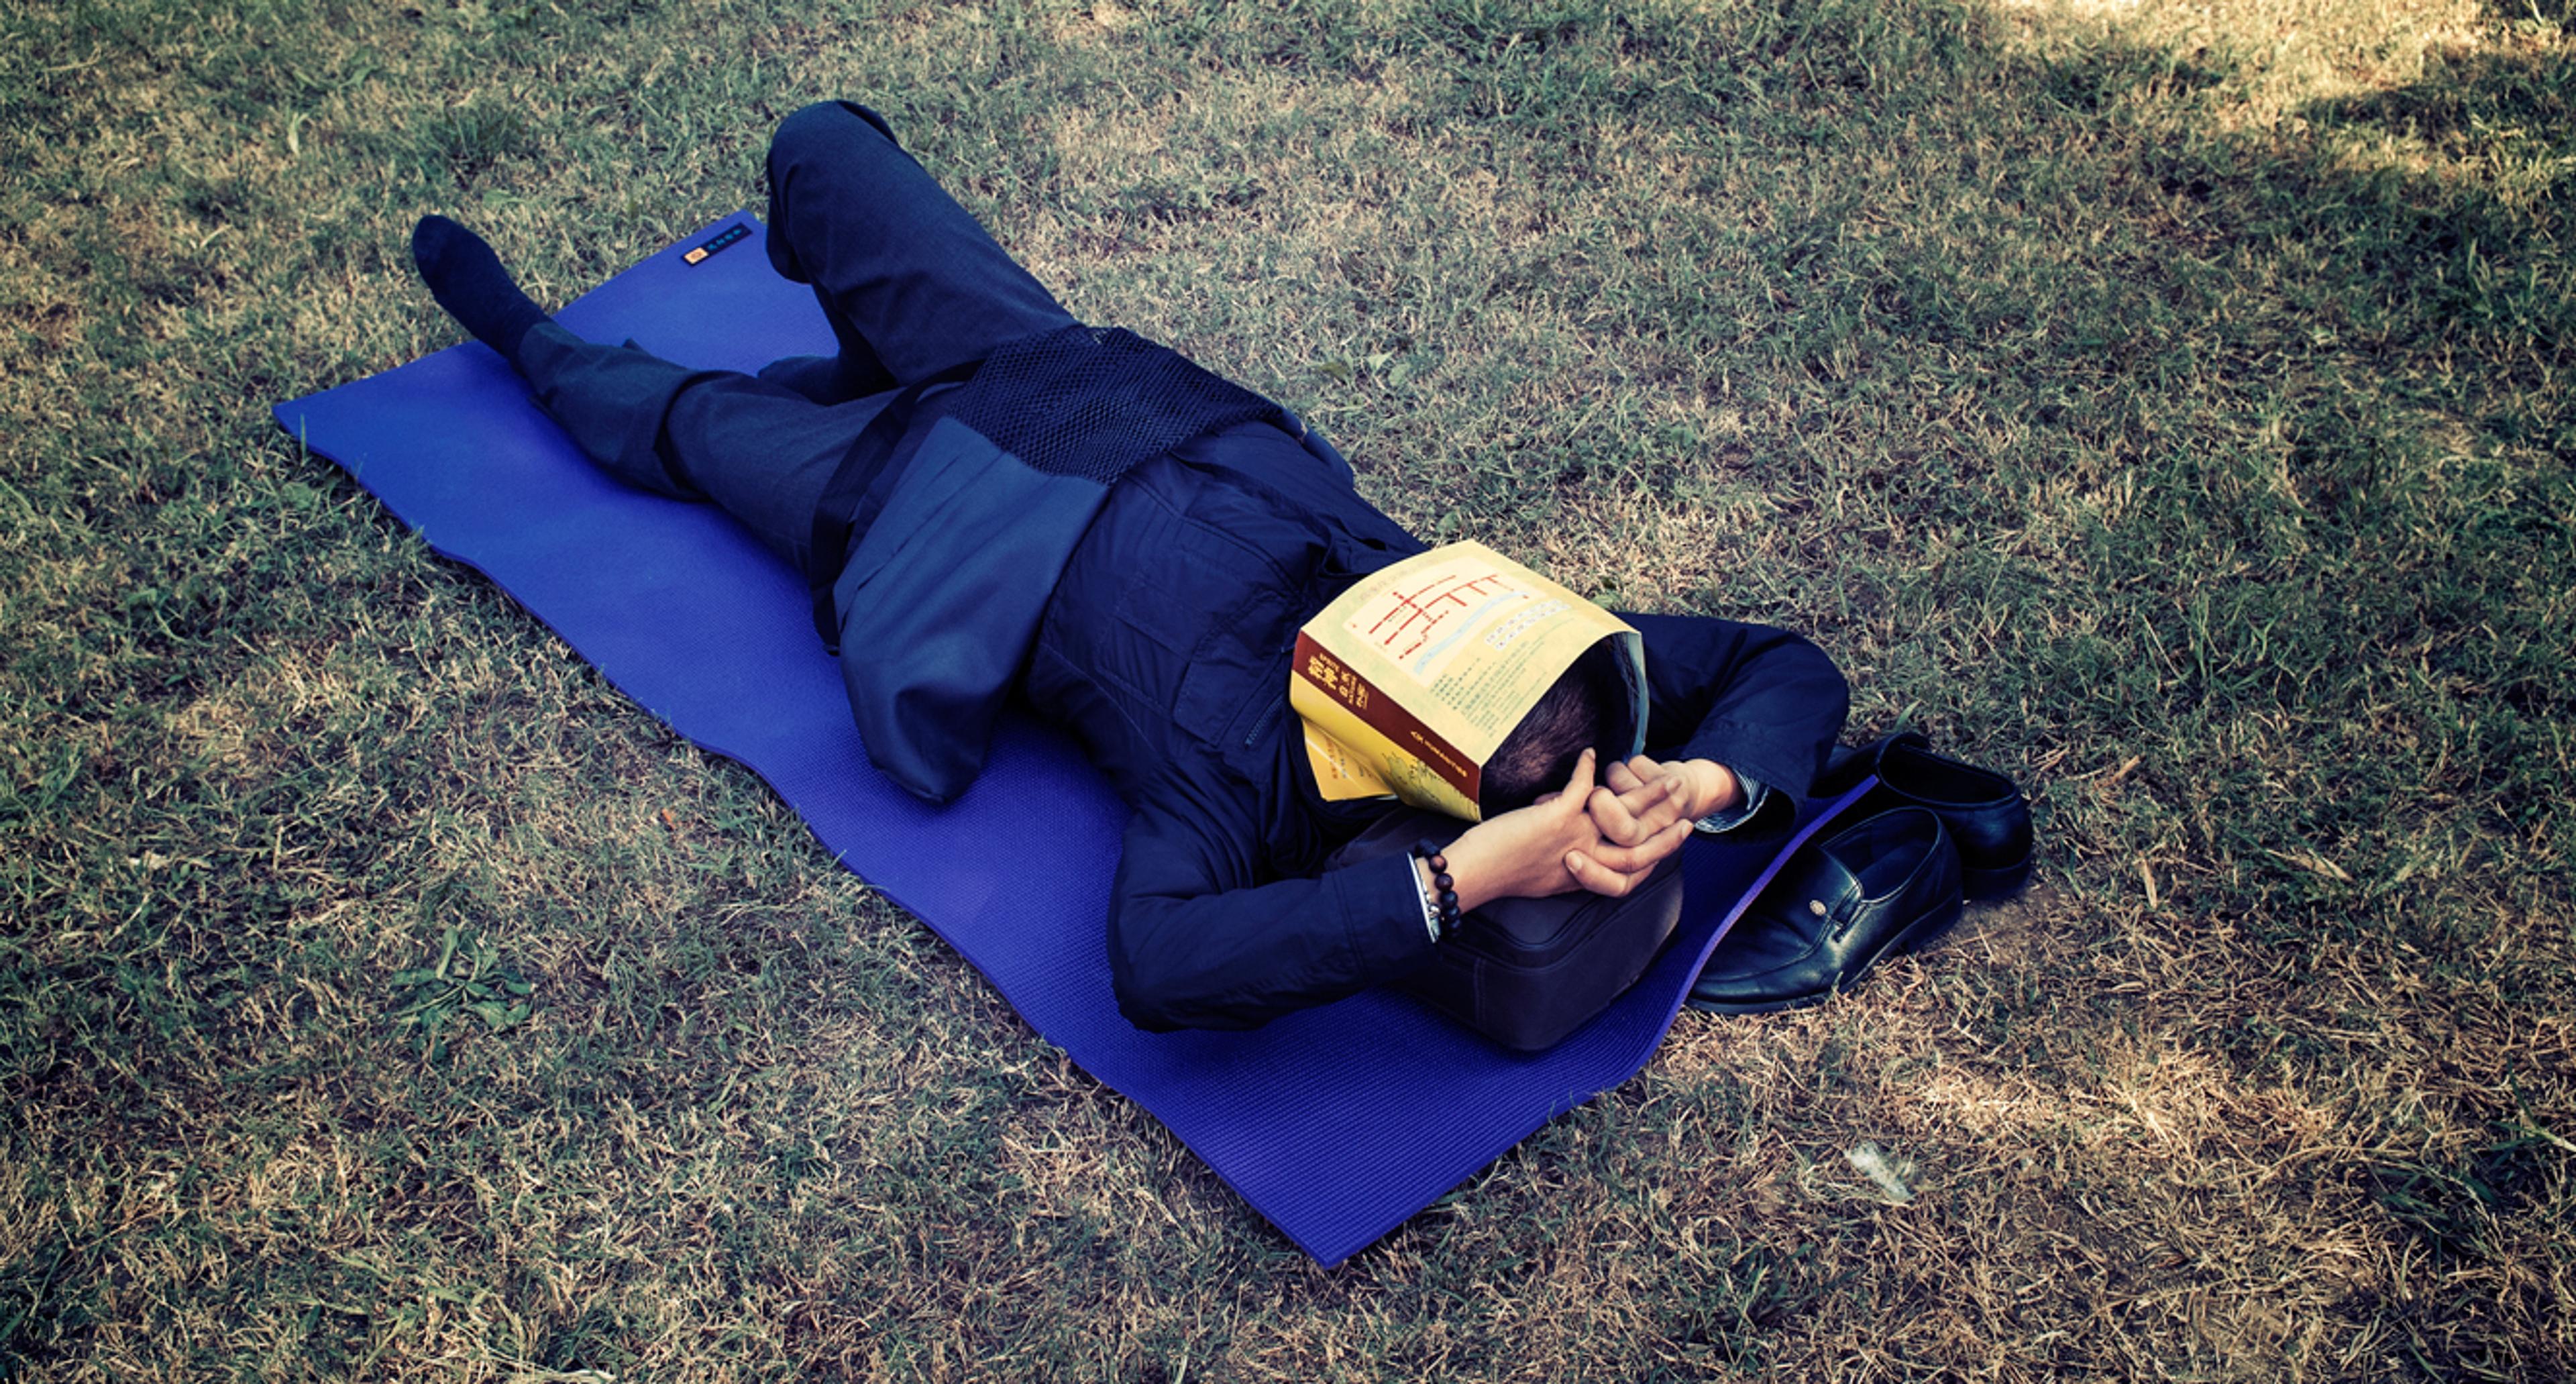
x: 1410, y: 681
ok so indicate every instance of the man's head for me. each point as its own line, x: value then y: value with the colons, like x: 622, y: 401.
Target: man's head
x: 1587, y: 707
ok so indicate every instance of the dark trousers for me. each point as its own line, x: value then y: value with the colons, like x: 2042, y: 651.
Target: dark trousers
x: 910, y: 282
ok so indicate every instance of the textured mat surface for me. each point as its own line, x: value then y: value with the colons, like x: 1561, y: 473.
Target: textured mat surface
x: 1337, y: 1124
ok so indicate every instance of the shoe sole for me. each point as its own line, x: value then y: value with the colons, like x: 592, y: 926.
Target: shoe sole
x: 1992, y: 885
x: 1921, y: 932
x: 1981, y: 884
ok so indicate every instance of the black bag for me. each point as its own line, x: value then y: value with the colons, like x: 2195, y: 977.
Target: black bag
x: 1527, y: 972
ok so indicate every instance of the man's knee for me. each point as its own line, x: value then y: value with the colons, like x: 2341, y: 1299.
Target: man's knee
x: 827, y: 145
x: 825, y: 128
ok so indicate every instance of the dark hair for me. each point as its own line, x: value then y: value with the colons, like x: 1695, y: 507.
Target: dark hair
x: 1587, y: 707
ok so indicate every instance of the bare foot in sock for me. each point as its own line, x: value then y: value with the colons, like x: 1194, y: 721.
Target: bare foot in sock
x: 467, y: 279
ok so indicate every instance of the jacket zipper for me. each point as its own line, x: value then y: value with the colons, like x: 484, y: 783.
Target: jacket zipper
x: 1261, y: 724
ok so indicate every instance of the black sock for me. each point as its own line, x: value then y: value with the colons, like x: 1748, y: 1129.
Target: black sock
x: 467, y: 279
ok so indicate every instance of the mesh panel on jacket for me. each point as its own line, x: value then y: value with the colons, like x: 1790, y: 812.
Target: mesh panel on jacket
x: 1096, y: 401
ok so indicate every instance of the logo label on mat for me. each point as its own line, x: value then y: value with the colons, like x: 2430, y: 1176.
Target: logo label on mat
x: 724, y: 240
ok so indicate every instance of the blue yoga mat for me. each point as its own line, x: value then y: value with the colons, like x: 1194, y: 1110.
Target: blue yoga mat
x: 1336, y: 1123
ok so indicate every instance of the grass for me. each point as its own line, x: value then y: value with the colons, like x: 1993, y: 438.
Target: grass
x: 2168, y: 405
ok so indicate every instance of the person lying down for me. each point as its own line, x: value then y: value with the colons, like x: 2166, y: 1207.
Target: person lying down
x: 993, y: 500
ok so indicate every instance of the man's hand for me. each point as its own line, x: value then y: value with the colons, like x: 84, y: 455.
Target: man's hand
x: 1698, y: 788
x: 1644, y: 810
x: 1602, y: 836
x: 1552, y: 846
x: 1527, y: 853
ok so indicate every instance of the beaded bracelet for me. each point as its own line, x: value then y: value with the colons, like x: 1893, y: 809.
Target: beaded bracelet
x: 1431, y: 855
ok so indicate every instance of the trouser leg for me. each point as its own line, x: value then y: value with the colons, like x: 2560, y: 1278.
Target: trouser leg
x: 905, y: 273
x: 761, y: 452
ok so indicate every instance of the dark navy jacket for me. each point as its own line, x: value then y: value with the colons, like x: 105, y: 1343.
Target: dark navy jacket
x: 1165, y: 649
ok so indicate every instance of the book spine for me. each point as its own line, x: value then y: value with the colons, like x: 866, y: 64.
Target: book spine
x: 1340, y: 687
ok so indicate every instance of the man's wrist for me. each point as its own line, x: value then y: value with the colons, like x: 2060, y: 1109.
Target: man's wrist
x: 1473, y: 876
x: 1744, y: 803
x: 1467, y: 872
x: 1714, y: 788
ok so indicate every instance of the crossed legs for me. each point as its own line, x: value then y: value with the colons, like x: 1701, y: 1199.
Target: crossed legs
x: 911, y: 284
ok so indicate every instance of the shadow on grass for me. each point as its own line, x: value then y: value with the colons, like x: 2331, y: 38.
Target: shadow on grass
x: 2337, y: 612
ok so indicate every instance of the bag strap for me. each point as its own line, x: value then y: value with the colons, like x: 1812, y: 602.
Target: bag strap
x: 858, y: 491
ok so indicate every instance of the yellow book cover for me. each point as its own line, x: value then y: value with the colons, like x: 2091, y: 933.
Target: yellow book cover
x: 1410, y: 681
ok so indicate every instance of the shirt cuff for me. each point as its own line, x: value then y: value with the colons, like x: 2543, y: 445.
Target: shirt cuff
x: 1756, y: 794
x: 1422, y: 891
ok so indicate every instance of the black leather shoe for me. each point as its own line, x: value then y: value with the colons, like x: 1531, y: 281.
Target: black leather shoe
x: 1987, y: 817
x: 1887, y: 884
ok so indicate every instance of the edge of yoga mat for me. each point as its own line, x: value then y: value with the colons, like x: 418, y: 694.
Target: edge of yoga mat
x: 1338, y: 1124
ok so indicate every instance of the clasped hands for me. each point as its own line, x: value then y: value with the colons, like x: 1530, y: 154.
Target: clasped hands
x: 1605, y: 836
